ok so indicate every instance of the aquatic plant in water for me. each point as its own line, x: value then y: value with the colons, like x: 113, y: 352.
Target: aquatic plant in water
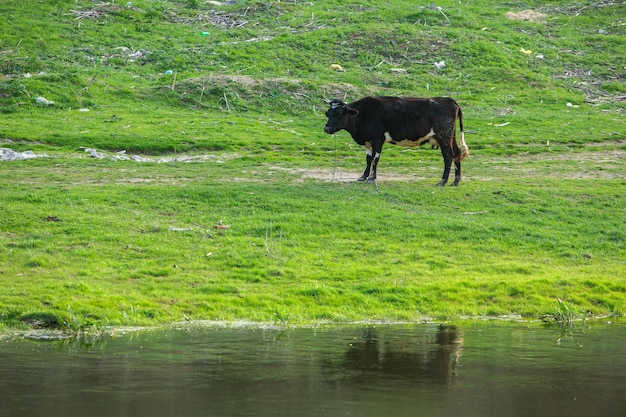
x: 563, y: 315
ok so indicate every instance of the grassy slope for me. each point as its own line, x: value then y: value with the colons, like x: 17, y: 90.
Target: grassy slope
x: 530, y: 223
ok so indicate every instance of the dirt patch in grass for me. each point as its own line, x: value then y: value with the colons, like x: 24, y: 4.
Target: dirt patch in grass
x: 605, y: 164
x: 241, y: 80
x: 606, y: 156
x: 527, y: 15
x: 340, y: 175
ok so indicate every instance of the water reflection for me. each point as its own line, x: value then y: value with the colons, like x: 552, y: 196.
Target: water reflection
x: 433, y: 358
x: 430, y: 370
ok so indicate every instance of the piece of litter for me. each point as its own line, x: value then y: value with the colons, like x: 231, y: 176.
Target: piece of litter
x: 440, y: 65
x: 525, y: 51
x: 337, y: 67
x: 11, y: 155
x: 44, y: 102
x: 220, y: 225
x: 440, y: 10
x: 94, y: 153
x: 181, y: 229
x: 502, y: 124
x: 571, y: 105
x: 135, y: 158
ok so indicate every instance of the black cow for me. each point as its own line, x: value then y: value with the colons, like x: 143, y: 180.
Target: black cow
x: 373, y: 121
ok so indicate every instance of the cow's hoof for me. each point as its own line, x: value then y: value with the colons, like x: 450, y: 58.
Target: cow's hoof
x: 361, y: 178
x: 370, y: 180
x: 440, y: 184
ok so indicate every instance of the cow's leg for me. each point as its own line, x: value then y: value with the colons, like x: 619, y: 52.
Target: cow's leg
x: 376, y: 149
x: 457, y: 173
x: 446, y: 152
x: 368, y: 159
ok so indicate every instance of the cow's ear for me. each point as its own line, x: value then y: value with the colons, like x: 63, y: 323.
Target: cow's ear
x: 351, y: 111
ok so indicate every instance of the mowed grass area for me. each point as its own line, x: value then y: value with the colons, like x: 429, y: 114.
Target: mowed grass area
x: 266, y: 223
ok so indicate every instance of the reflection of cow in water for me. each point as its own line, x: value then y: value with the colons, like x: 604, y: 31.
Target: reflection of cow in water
x: 431, y: 359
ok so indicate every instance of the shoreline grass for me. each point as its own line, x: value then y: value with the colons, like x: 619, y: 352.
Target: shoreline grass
x: 127, y: 243
x: 238, y: 88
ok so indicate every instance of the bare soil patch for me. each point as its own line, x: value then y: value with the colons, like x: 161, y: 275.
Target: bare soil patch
x: 527, y: 15
x: 340, y: 175
x: 241, y: 80
x: 609, y: 163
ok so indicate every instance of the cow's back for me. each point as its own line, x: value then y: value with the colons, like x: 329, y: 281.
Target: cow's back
x: 443, y: 109
x: 407, y: 118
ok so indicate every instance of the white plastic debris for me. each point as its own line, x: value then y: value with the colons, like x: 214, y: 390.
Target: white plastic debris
x: 44, y: 102
x: 180, y: 229
x: 440, y: 65
x: 122, y: 156
x: 95, y: 154
x: 11, y: 155
x: 135, y: 55
x: 138, y: 158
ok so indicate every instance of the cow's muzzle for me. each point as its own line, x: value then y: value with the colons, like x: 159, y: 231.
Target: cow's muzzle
x: 330, y: 130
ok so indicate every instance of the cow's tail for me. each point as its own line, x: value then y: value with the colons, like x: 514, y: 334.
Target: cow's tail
x: 463, y: 149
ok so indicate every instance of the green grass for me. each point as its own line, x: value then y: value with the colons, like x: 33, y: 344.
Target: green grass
x: 136, y: 243
x: 83, y: 241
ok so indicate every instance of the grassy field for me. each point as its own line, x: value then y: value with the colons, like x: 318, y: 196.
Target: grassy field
x: 230, y: 203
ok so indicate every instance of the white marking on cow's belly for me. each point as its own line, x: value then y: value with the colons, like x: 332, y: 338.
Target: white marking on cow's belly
x: 429, y: 137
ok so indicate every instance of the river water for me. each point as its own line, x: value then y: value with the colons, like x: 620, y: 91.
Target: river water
x: 472, y: 369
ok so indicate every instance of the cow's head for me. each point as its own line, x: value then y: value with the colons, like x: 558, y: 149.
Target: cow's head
x: 338, y: 115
